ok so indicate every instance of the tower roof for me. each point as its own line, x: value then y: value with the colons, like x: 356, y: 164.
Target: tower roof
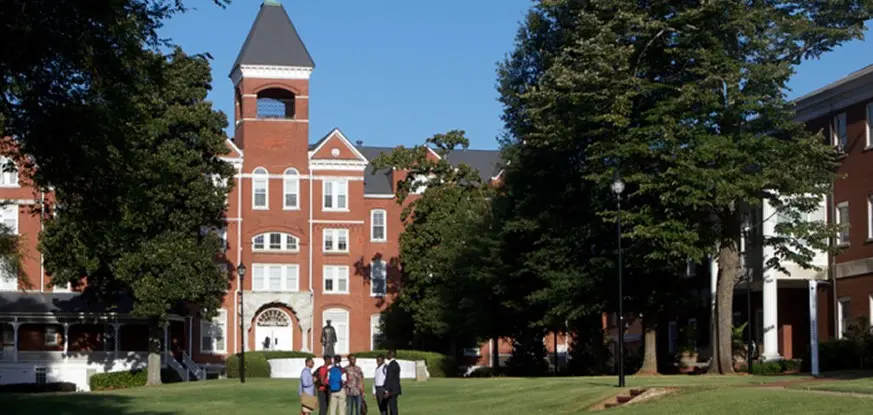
x: 272, y: 40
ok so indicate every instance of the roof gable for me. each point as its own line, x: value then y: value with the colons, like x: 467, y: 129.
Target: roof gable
x: 273, y: 41
x: 335, y: 146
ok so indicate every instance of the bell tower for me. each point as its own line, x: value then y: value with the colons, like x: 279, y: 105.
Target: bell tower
x: 271, y: 93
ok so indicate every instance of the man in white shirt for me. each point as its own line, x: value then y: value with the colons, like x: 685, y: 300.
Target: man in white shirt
x: 379, y: 385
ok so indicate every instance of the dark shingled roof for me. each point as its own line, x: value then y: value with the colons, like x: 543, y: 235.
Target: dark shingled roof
x: 273, y: 40
x: 49, y: 303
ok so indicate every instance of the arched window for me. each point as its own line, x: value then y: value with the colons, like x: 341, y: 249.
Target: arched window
x: 8, y: 173
x: 291, y: 189
x: 276, y: 241
x: 260, y: 188
x: 275, y: 103
x: 339, y: 319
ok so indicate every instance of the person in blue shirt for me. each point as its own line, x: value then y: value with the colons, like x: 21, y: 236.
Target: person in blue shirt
x: 336, y: 383
x: 307, y: 386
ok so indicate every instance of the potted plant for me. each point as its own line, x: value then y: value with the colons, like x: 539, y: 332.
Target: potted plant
x: 688, y: 350
x: 738, y: 346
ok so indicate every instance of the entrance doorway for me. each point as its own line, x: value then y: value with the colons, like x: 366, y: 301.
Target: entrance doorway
x: 273, y: 331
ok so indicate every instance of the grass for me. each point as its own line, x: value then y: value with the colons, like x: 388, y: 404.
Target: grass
x: 699, y: 395
x: 862, y: 386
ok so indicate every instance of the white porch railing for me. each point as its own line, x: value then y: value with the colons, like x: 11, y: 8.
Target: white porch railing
x: 171, y: 361
x: 7, y: 355
x: 198, y: 372
x: 75, y: 356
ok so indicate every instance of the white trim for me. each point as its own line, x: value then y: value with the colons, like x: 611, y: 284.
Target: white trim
x: 840, y: 328
x: 235, y: 148
x: 868, y: 125
x: 345, y: 140
x: 269, y: 72
x: 839, y: 221
x: 343, y: 178
x: 384, y: 237
x: 870, y: 216
x: 283, y: 275
x: 432, y: 151
x: 291, y: 120
x: 290, y: 177
x: 334, y: 277
x: 266, y: 177
x: 340, y: 188
x: 282, y: 241
x: 836, y: 138
x: 19, y: 201
x: 338, y: 165
x: 337, y: 222
x: 870, y: 310
x: 377, y: 196
x: 206, y: 325
x: 335, y: 236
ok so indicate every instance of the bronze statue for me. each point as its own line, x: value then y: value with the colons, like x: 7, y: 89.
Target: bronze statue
x: 328, y: 339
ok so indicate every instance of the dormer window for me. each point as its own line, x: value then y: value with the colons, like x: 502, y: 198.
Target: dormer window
x: 275, y: 103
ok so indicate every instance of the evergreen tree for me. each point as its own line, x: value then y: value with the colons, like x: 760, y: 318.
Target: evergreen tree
x: 132, y: 223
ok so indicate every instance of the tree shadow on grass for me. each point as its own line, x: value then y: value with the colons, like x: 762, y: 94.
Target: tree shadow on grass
x: 73, y: 404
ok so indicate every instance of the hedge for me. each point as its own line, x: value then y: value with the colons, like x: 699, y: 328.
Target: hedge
x: 38, y: 387
x: 131, y: 379
x: 438, y: 365
x: 256, y: 363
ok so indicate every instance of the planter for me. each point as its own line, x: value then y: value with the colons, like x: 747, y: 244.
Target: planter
x: 687, y: 362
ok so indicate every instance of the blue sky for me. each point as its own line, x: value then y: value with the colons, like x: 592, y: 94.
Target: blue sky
x: 392, y: 72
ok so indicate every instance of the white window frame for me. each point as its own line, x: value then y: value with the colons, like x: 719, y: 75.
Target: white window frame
x: 384, y: 225
x: 870, y: 310
x: 51, y: 336
x: 839, y: 220
x: 291, y: 186
x: 207, y: 327
x: 266, y: 247
x: 373, y: 278
x: 338, y: 188
x: 340, y: 348
x: 840, y: 140
x: 375, y: 323
x: 262, y: 283
x: 8, y: 178
x: 332, y: 238
x: 840, y: 326
x: 870, y: 216
x: 869, y: 125
x: 334, y: 273
x: 9, y: 216
x: 260, y: 178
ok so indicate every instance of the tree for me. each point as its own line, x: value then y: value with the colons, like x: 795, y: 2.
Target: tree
x: 446, y: 245
x: 132, y: 224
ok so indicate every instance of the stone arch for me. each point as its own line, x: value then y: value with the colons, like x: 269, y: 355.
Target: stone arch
x: 274, y: 329
x: 296, y: 305
x: 276, y: 103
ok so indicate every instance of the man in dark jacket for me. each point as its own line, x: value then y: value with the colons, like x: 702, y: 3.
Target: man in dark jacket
x: 392, y: 383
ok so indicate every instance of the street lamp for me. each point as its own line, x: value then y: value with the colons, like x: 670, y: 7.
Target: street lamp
x: 241, y: 272
x: 618, y: 188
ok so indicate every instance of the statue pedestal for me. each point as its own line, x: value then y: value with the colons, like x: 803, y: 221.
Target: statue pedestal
x: 421, y: 374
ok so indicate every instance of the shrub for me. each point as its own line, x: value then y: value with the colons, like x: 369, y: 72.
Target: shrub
x: 256, y: 362
x: 838, y: 355
x: 438, y: 365
x: 767, y: 368
x: 792, y: 365
x: 131, y: 379
x: 38, y: 387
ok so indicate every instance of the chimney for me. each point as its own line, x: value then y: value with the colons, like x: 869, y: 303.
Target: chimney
x: 359, y: 143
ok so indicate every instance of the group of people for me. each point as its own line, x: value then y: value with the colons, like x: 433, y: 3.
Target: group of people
x: 337, y: 390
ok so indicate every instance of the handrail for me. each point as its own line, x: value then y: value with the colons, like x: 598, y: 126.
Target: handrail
x: 173, y: 363
x: 193, y: 366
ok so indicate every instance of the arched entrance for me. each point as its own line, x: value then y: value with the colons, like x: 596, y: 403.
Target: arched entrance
x: 273, y: 331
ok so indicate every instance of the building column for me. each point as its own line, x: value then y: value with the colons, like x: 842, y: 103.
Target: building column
x: 305, y: 341
x: 116, y: 340
x: 15, y: 341
x: 191, y: 335
x: 66, y: 339
x: 166, y: 338
x: 771, y: 319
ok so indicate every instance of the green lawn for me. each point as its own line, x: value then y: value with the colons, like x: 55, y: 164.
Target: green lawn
x: 863, y: 385
x: 699, y: 395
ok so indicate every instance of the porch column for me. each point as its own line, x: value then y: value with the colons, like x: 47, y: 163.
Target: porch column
x: 305, y: 341
x: 771, y: 318
x: 190, y: 334
x: 166, y: 338
x: 116, y: 327
x: 66, y: 339
x: 15, y: 341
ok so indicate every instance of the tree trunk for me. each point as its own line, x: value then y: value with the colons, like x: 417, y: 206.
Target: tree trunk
x: 728, y: 264
x: 650, y: 346
x: 156, y: 335
x: 495, y: 352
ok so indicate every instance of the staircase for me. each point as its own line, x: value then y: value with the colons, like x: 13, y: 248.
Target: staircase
x: 171, y: 361
x: 193, y: 367
x: 623, y: 399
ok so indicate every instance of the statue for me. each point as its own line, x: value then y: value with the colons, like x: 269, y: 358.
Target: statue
x: 328, y: 339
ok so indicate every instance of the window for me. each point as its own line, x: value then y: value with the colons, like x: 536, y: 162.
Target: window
x: 336, y: 279
x: 221, y: 185
x: 843, y: 221
x: 377, y: 226
x: 41, y: 375
x: 375, y: 331
x: 419, y: 184
x: 844, y: 315
x: 276, y: 277
x: 9, y: 219
x: 8, y: 173
x: 869, y: 216
x: 378, y: 278
x: 869, y: 125
x: 220, y: 232
x: 275, y: 103
x: 276, y: 242
x: 260, y: 188
x: 838, y: 131
x: 51, y: 336
x: 291, y: 190
x: 339, y: 319
x: 336, y: 240
x: 213, y: 334
x: 336, y: 195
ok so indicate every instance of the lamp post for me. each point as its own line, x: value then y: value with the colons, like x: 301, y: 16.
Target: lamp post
x: 618, y: 188
x: 241, y: 272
